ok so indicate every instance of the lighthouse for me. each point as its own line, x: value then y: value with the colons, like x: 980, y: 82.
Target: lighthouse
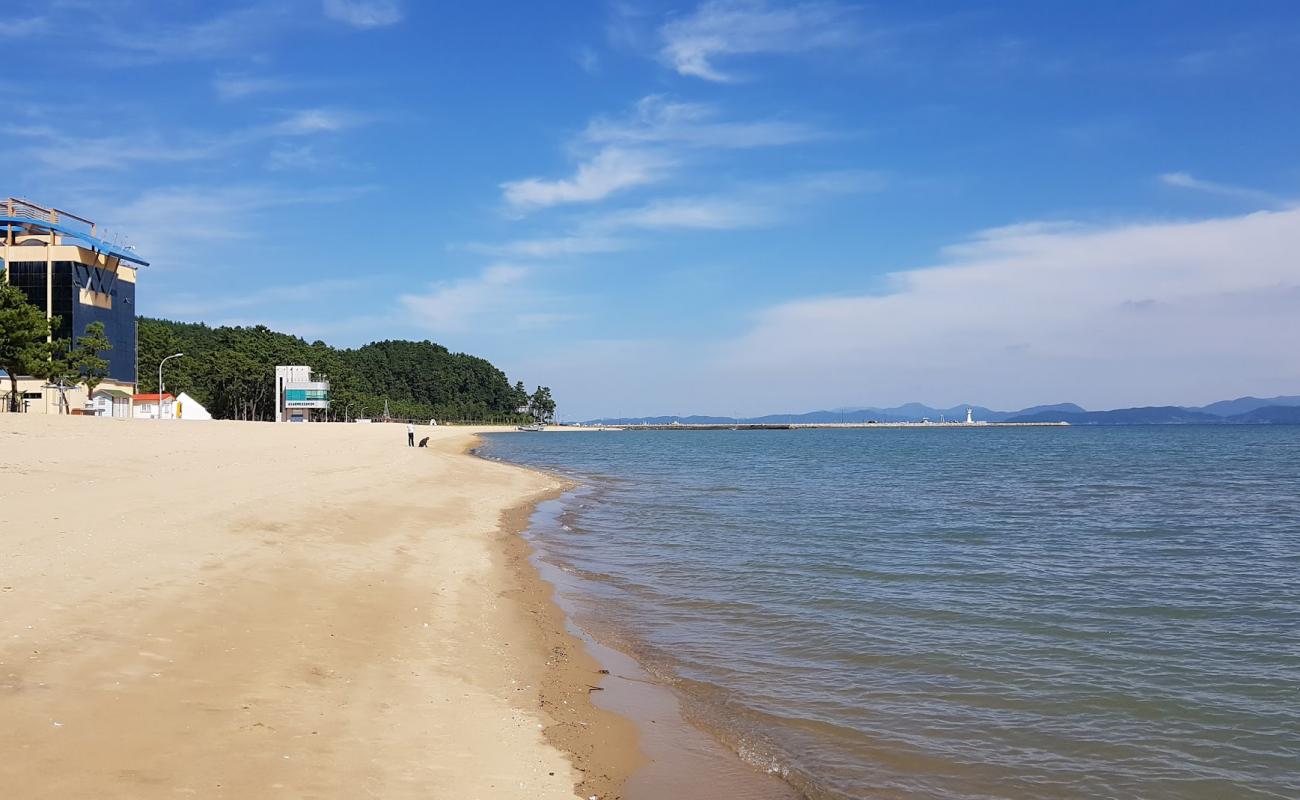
x: 969, y: 419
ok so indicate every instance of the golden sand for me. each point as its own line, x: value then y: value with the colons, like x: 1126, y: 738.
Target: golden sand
x: 249, y: 610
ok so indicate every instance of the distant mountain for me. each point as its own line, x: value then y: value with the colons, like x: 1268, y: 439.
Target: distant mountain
x: 910, y: 412
x: 1150, y: 415
x: 1245, y: 410
x: 1276, y: 415
x: 1068, y: 408
x: 1244, y: 405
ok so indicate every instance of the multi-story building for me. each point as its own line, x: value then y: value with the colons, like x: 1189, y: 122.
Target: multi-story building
x: 299, y: 395
x: 64, y: 268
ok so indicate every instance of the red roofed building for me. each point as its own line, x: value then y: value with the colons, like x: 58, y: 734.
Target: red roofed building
x: 146, y: 406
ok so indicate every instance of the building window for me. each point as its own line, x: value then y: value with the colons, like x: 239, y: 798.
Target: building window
x: 306, y: 394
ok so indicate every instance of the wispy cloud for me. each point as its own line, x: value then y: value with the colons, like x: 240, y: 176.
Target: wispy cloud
x: 238, y: 87
x: 364, y: 13
x: 219, y: 36
x: 1182, y: 180
x: 316, y: 120
x: 58, y: 151
x: 700, y: 213
x: 613, y: 169
x: 749, y: 205
x: 554, y: 247
x: 20, y: 28
x: 647, y: 145
x: 175, y: 226
x: 693, y: 44
x: 499, y: 293
x: 208, y: 304
x: 135, y: 32
x: 657, y: 119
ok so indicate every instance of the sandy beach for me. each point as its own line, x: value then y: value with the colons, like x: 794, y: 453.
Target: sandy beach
x: 245, y: 610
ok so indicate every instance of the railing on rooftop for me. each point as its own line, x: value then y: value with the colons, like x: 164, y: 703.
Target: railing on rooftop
x: 25, y: 209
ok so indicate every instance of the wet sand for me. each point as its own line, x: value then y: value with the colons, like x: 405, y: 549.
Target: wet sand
x: 247, y: 610
x: 681, y: 761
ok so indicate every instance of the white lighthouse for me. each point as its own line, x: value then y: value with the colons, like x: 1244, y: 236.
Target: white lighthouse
x: 969, y: 419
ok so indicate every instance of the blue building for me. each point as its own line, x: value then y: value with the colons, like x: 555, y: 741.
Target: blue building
x: 58, y: 260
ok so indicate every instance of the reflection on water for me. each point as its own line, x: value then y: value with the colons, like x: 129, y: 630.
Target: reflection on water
x: 956, y: 613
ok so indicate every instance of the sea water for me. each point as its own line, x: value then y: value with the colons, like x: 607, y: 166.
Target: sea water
x: 955, y: 613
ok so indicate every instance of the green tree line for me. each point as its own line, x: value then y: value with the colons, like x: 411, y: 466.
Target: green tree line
x: 231, y: 371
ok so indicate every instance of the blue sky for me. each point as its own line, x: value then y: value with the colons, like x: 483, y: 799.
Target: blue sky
x: 733, y: 206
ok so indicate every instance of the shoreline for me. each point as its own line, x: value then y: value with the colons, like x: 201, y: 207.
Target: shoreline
x: 238, y: 610
x: 675, y: 756
x: 602, y: 745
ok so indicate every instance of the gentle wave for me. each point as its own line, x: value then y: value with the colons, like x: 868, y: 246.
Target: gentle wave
x: 918, y: 614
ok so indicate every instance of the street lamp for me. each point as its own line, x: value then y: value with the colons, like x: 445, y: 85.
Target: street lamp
x: 345, y: 412
x: 160, y: 383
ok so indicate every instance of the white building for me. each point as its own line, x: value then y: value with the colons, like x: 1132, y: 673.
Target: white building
x: 299, y: 395
x: 189, y: 408
x: 111, y: 403
x: 146, y: 406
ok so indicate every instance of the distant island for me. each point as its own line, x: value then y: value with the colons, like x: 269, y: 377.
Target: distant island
x: 1281, y: 410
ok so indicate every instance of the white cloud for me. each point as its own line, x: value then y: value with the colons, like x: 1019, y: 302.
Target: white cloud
x: 1149, y: 314
x: 57, y: 151
x: 1182, y: 180
x: 647, y: 146
x: 454, y: 306
x: 220, y: 36
x: 722, y: 28
x: 657, y: 119
x: 704, y: 213
x: 1140, y: 314
x: 315, y: 120
x: 613, y: 169
x: 555, y: 247
x: 364, y: 13
x: 747, y: 206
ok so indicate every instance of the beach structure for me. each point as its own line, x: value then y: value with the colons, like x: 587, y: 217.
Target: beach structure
x: 189, y: 408
x: 153, y: 406
x: 63, y: 266
x: 110, y: 403
x: 300, y: 396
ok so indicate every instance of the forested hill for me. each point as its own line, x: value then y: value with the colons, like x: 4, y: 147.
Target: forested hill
x: 231, y: 371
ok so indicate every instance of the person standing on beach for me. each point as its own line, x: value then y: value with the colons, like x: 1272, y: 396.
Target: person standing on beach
x: 410, y: 435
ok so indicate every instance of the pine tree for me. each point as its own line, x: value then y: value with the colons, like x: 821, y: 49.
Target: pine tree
x: 24, y: 331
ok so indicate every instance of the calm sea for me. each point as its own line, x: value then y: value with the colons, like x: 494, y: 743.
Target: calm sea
x: 958, y: 613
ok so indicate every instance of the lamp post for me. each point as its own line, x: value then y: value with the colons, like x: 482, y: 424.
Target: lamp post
x: 345, y: 412
x: 160, y: 383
